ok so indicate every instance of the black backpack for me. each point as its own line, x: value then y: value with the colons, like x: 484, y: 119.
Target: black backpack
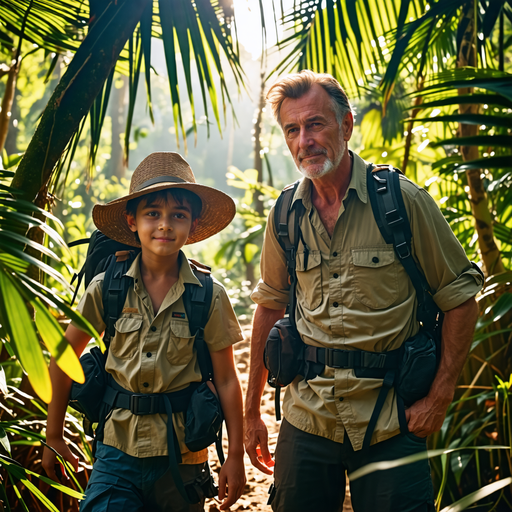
x: 114, y: 258
x: 410, y: 369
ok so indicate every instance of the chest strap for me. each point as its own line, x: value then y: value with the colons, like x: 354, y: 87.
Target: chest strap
x: 142, y: 404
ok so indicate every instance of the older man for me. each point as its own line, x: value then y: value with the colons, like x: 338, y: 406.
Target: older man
x: 346, y: 302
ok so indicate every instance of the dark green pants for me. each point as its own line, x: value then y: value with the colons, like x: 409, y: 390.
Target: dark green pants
x: 310, y: 475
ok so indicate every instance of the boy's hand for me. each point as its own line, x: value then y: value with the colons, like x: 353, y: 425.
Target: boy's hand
x: 232, y: 476
x: 50, y: 460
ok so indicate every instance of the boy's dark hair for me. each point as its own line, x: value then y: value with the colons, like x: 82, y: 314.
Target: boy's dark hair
x: 180, y: 195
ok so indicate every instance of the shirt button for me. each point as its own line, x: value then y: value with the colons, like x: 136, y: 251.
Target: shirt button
x: 375, y: 259
x: 335, y: 304
x: 148, y: 354
x: 153, y: 328
x: 335, y: 276
x: 341, y: 399
x: 335, y: 254
x: 145, y: 384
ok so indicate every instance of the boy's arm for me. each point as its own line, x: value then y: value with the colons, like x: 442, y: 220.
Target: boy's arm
x: 61, y: 385
x: 230, y: 395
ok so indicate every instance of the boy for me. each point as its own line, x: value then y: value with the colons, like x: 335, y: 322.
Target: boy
x: 152, y: 349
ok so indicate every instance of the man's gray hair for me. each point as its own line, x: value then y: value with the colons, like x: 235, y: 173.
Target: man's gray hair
x: 296, y: 85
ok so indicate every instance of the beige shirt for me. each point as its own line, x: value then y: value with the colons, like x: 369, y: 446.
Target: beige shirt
x: 154, y: 354
x: 353, y: 293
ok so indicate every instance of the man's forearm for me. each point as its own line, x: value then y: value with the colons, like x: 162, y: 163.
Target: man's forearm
x: 264, y: 319
x: 457, y: 334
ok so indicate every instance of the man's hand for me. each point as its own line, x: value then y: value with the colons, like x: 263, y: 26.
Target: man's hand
x: 425, y: 416
x: 256, y: 444
x: 50, y: 460
x: 232, y: 479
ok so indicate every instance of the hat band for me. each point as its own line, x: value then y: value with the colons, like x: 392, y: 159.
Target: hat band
x: 160, y: 179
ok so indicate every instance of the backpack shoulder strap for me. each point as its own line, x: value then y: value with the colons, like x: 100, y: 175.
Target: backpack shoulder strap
x: 287, y: 215
x: 115, y: 288
x: 197, y: 300
x: 391, y: 217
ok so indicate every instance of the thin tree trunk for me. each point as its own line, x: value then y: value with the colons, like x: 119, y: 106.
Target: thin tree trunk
x: 490, y: 253
x: 117, y: 163
x: 408, y: 138
x: 75, y: 94
x: 7, y: 100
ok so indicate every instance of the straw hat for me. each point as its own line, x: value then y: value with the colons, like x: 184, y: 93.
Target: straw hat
x: 157, y: 172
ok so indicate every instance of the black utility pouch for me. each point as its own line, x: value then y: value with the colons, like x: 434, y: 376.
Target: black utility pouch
x: 203, y: 419
x: 418, y: 368
x: 284, y: 354
x: 203, y: 486
x: 87, y: 398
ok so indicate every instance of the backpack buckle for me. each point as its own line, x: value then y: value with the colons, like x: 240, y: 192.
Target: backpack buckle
x: 141, y: 405
x: 402, y: 250
x: 393, y: 217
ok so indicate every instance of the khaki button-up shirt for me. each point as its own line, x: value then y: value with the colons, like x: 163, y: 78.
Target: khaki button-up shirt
x: 154, y: 354
x: 353, y: 293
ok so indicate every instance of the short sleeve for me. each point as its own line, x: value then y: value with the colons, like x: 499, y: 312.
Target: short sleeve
x: 440, y: 255
x: 91, y: 304
x: 272, y: 289
x: 222, y: 329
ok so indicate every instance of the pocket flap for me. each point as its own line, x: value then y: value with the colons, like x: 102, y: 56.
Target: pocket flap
x: 312, y: 260
x: 373, y: 258
x: 180, y: 329
x: 128, y: 324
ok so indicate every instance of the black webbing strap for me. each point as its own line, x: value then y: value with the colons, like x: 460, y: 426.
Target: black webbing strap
x: 197, y: 301
x: 287, y: 213
x: 393, y: 222
x: 142, y: 404
x: 387, y: 384
x: 336, y: 358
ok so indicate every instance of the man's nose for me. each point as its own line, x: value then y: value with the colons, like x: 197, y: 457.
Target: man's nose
x: 305, y: 139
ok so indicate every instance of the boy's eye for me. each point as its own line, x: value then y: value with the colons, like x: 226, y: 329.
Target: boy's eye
x: 152, y: 214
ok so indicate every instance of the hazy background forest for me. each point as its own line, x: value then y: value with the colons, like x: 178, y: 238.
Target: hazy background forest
x: 90, y: 88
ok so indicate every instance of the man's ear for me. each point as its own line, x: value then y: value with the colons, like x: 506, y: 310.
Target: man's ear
x: 348, y: 126
x: 132, y: 223
x: 193, y: 227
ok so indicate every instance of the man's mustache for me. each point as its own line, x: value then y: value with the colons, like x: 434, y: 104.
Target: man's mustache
x: 314, y: 152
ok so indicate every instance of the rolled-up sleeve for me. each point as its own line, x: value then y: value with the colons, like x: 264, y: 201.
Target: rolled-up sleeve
x: 447, y: 269
x: 272, y: 289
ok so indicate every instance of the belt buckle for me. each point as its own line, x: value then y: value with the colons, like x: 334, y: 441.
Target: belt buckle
x: 330, y: 358
x: 135, y: 400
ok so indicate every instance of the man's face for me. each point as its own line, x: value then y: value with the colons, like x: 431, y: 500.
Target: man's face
x: 316, y: 141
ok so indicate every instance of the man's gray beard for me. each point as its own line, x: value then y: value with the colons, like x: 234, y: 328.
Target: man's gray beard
x: 328, y: 167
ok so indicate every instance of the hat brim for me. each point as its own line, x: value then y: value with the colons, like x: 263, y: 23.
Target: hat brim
x: 217, y: 212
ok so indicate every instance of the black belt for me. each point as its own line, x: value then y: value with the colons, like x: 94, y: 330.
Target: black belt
x: 336, y: 358
x: 142, y: 404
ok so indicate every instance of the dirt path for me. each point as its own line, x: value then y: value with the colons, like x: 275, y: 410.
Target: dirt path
x: 255, y: 496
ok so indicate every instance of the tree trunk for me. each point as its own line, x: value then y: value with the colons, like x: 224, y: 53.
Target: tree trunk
x: 490, y: 253
x: 74, y: 95
x: 117, y: 163
x: 408, y: 138
x: 7, y: 100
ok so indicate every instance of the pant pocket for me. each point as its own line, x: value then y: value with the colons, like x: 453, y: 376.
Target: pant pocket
x: 404, y: 428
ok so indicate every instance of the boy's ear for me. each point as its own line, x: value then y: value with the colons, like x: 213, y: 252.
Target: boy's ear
x: 193, y: 227
x: 132, y: 223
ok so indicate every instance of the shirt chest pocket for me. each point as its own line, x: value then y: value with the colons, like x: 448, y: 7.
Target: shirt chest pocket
x: 126, y: 340
x: 375, y: 278
x: 180, y: 348
x: 309, y: 278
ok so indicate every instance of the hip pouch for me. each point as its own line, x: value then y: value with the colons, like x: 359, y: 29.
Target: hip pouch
x: 87, y: 398
x: 284, y: 354
x: 203, y: 418
x: 418, y: 368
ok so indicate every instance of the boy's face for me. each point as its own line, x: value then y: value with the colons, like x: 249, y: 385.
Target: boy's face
x: 163, y: 227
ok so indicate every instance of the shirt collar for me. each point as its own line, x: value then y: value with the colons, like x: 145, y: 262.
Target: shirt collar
x: 357, y: 183
x: 186, y: 274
